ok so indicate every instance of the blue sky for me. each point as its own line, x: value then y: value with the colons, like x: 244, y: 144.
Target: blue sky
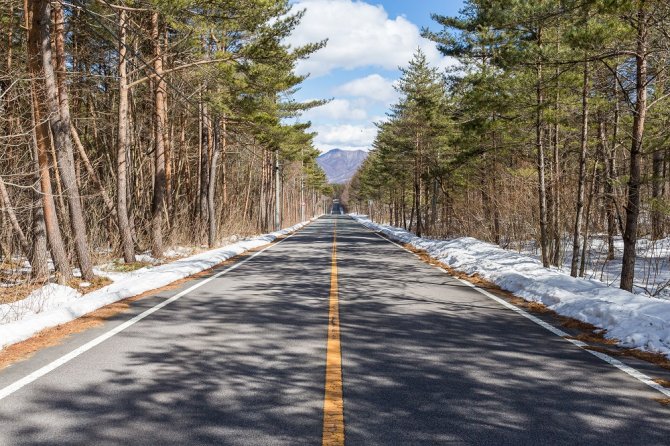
x: 367, y: 41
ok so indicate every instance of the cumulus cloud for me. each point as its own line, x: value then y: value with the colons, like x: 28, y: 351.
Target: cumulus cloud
x: 373, y: 87
x: 338, y: 109
x: 359, y: 34
x: 344, y: 136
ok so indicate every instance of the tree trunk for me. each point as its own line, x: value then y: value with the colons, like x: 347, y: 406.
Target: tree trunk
x: 39, y: 259
x: 417, y: 188
x: 608, y: 165
x: 539, y: 144
x: 582, y: 173
x: 211, y: 205
x: 247, y: 213
x: 633, y: 199
x: 60, y: 126
x: 582, y: 264
x: 7, y: 204
x: 612, y: 208
x: 657, y: 183
x: 39, y: 18
x: 556, y: 177
x: 127, y: 245
x: 158, y: 200
x: 167, y: 148
x: 658, y: 174
x: 205, y: 157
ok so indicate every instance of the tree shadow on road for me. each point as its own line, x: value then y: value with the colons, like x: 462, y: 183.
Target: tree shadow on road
x: 425, y: 361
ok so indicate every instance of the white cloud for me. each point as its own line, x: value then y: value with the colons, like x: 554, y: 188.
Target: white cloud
x: 339, y: 109
x: 345, y: 136
x: 359, y: 34
x: 374, y: 87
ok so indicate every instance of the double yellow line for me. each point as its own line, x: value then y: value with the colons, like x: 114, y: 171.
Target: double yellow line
x: 333, y: 403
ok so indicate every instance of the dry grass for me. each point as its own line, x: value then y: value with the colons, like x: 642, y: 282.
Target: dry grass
x: 123, y: 267
x: 593, y: 338
x: 654, y: 358
x: 21, y: 290
x: 10, y: 265
x: 95, y: 284
x: 17, y: 292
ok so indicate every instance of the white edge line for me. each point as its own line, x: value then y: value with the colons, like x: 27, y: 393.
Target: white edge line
x: 8, y: 390
x: 558, y: 332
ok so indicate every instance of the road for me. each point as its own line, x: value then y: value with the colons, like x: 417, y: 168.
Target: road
x: 333, y: 319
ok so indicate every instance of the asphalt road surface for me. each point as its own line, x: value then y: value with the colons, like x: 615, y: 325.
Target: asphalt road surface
x: 416, y: 356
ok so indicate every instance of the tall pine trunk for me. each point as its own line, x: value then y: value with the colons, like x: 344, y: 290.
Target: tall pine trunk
x: 582, y: 173
x: 211, y: 204
x: 123, y: 145
x: 158, y: 200
x: 556, y: 175
x: 60, y: 127
x: 539, y: 145
x: 7, y: 204
x: 39, y: 18
x: 640, y: 113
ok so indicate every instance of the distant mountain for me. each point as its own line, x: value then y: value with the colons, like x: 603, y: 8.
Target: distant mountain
x: 341, y: 165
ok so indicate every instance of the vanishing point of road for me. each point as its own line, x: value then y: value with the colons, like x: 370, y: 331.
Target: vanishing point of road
x: 332, y: 336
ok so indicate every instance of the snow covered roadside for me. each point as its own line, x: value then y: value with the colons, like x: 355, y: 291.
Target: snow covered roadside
x: 54, y: 305
x: 636, y: 321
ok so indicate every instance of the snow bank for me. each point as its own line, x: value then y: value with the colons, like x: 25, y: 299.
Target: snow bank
x: 636, y: 321
x: 53, y: 304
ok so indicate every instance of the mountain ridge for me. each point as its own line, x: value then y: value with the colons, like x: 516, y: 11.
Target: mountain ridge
x: 341, y: 165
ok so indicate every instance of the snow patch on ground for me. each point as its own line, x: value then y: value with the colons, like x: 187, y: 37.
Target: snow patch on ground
x: 635, y: 320
x: 652, y: 266
x: 46, y: 298
x: 54, y: 304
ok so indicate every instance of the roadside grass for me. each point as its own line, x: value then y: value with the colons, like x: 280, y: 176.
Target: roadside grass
x: 120, y: 266
x: 14, y: 292
x: 87, y: 286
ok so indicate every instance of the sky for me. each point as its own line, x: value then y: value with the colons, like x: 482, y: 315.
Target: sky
x: 367, y: 42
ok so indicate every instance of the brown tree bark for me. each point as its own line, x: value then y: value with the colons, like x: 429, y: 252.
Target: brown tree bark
x: 211, y: 204
x: 658, y: 174
x: 556, y: 175
x: 158, y: 200
x: 417, y: 187
x: 205, y: 157
x: 639, y: 115
x: 123, y: 146
x: 539, y: 145
x: 657, y: 191
x: 167, y: 202
x: 7, y: 204
x: 60, y: 126
x: 585, y: 235
x: 581, y: 180
x: 37, y: 17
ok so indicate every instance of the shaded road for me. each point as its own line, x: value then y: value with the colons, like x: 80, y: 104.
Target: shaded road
x: 242, y: 361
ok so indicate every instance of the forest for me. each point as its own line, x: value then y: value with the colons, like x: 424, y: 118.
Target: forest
x: 132, y: 126
x: 552, y: 126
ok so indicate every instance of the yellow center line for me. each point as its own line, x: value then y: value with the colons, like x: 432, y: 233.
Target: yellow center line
x: 333, y: 404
